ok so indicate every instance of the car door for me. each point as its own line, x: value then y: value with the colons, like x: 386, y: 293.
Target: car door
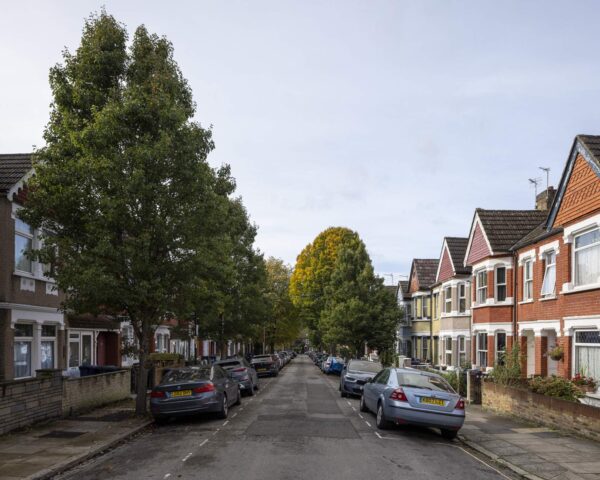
x: 217, y: 379
x: 251, y: 372
x: 381, y: 384
x: 370, y: 391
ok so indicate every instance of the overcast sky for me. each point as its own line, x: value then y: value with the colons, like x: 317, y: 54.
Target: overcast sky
x: 394, y: 118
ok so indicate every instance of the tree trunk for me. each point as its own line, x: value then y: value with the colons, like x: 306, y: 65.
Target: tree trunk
x: 142, y: 380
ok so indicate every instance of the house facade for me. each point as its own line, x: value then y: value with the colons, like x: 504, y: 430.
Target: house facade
x: 489, y: 255
x: 403, y: 334
x: 559, y: 273
x: 32, y: 328
x: 454, y: 282
x: 421, y: 281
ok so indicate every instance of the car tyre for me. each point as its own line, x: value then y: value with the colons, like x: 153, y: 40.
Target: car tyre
x: 380, y: 421
x: 363, y: 406
x: 251, y: 390
x: 224, y: 411
x: 449, y: 434
x: 239, y: 398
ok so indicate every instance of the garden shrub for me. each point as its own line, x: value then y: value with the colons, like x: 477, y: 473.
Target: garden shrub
x: 556, y: 387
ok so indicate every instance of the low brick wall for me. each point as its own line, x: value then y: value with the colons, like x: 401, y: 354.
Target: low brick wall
x: 23, y: 402
x: 85, y: 393
x: 551, y: 412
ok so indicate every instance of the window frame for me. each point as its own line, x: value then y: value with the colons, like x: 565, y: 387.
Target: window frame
x: 448, y: 351
x: 29, y: 237
x: 480, y: 351
x: 481, y: 290
x: 26, y: 339
x: 527, y: 280
x: 547, y: 266
x: 448, y: 299
x: 498, y: 284
x: 462, y: 350
x: 462, y: 297
x: 577, y: 250
x: 51, y: 339
x: 497, y: 351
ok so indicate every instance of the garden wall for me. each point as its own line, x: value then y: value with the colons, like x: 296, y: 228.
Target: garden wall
x: 551, y: 412
x: 85, y: 393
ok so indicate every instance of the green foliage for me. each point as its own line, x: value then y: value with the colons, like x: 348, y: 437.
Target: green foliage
x: 556, y: 387
x: 508, y: 371
x: 164, y: 357
x: 458, y: 381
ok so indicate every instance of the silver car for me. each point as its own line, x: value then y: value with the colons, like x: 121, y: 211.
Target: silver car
x: 356, y: 374
x: 243, y: 372
x: 406, y: 396
x: 193, y: 390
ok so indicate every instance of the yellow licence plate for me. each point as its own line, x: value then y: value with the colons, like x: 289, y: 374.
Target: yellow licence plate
x: 432, y: 401
x: 182, y: 393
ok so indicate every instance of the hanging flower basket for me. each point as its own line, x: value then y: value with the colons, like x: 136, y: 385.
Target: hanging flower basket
x: 556, y: 353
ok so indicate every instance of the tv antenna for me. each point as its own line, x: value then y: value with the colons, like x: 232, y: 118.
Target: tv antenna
x: 547, y: 170
x: 535, y: 182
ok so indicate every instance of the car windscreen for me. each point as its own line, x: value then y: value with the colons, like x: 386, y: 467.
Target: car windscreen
x: 230, y: 364
x: 363, y: 366
x: 175, y: 376
x: 427, y: 382
x: 261, y: 358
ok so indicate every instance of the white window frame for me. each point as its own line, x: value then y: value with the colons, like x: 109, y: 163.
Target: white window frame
x: 447, y: 351
x: 77, y: 336
x: 28, y: 236
x: 29, y: 339
x: 49, y: 339
x: 576, y: 344
x: 498, y: 284
x: 577, y: 250
x: 527, y: 279
x: 462, y: 297
x: 547, y: 266
x: 496, y: 349
x: 482, y: 352
x: 448, y: 299
x: 425, y: 307
x: 461, y: 346
x: 481, y: 295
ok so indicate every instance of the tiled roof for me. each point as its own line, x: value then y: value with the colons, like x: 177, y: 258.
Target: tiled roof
x: 538, y: 233
x: 457, y: 247
x: 13, y: 167
x: 592, y: 144
x: 426, y: 269
x: 404, y: 285
x: 504, y: 228
x: 393, y: 289
x: 99, y: 322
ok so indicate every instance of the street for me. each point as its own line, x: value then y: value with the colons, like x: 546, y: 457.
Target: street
x: 297, y: 426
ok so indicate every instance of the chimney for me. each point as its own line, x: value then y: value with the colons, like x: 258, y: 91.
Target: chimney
x: 544, y: 200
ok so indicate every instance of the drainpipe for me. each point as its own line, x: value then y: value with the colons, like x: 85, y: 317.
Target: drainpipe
x: 431, y: 327
x: 515, y: 290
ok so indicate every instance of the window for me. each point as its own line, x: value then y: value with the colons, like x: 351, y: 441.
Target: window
x: 448, y: 299
x: 527, y: 280
x: 424, y: 347
x: 462, y: 351
x: 419, y: 306
x: 74, y: 350
x: 22, y: 350
x: 548, y: 285
x: 448, y: 350
x: 500, y: 284
x: 587, y: 353
x: 462, y: 298
x: 500, y: 347
x: 80, y: 349
x: 48, y: 346
x: 23, y: 244
x: 435, y: 305
x: 481, y: 287
x: 586, y: 260
x: 425, y: 303
x: 482, y: 349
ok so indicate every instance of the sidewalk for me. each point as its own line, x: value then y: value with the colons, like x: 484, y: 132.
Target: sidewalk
x: 41, y: 451
x: 533, y: 452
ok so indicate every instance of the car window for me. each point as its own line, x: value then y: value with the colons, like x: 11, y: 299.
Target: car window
x: 385, y: 375
x: 174, y: 376
x: 229, y: 364
x: 364, y: 366
x: 217, y: 372
x: 428, y: 382
x: 377, y: 377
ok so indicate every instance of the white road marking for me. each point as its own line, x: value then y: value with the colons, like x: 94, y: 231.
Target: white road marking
x: 360, y: 416
x: 215, y: 432
x: 354, y: 409
x: 234, y: 415
x: 348, y: 403
x: 377, y: 433
x: 186, y: 457
x: 204, y: 442
x: 167, y: 475
x: 367, y: 423
x: 241, y: 408
x: 226, y: 422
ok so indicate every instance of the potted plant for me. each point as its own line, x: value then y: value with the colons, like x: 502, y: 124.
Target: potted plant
x: 585, y: 384
x: 556, y: 352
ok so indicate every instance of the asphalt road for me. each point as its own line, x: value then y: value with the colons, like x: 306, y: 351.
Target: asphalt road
x: 297, y: 426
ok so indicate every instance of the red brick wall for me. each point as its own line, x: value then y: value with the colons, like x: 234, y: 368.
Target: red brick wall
x: 479, y: 248
x: 414, y: 283
x: 582, y: 195
x: 446, y: 270
x: 492, y: 314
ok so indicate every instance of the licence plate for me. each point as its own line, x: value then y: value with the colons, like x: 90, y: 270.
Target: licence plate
x: 181, y: 393
x: 432, y: 401
x: 262, y: 370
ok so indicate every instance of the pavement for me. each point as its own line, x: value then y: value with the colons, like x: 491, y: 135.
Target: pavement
x: 531, y: 451
x: 44, y: 450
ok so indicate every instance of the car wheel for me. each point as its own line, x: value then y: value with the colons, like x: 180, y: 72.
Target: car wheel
x: 251, y: 390
x: 256, y: 387
x: 449, y: 434
x: 381, y: 422
x: 363, y: 406
x: 161, y: 420
x: 342, y: 393
x: 223, y: 412
x: 239, y: 398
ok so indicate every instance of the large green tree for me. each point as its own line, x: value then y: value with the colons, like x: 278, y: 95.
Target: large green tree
x: 358, y: 308
x: 132, y: 211
x: 312, y: 274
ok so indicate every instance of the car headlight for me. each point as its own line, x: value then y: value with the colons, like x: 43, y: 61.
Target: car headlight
x: 349, y: 379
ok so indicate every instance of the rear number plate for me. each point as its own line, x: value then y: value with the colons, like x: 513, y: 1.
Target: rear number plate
x: 432, y: 401
x: 182, y: 393
x: 261, y: 370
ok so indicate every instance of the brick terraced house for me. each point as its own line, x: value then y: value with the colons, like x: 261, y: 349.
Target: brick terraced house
x: 421, y: 281
x: 558, y: 276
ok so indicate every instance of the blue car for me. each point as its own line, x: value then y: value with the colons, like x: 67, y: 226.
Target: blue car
x: 334, y: 365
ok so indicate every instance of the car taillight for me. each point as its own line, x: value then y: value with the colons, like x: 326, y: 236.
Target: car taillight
x: 208, y: 387
x: 243, y: 369
x: 157, y: 394
x: 460, y: 405
x: 399, y: 395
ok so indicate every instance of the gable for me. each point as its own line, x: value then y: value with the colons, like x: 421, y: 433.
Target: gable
x: 446, y: 269
x: 581, y: 195
x: 478, y: 246
x: 414, y: 281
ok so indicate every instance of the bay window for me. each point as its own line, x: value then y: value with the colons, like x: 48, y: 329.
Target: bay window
x: 500, y: 284
x: 527, y: 280
x: 462, y: 351
x: 586, y: 258
x: 500, y: 347
x: 448, y: 299
x: 48, y: 346
x: 482, y: 349
x: 448, y: 350
x: 548, y: 285
x: 462, y: 298
x: 23, y: 245
x: 481, y: 280
x: 22, y: 350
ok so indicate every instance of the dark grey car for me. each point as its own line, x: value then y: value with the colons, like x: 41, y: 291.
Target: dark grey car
x: 355, y: 374
x: 193, y: 390
x: 243, y: 372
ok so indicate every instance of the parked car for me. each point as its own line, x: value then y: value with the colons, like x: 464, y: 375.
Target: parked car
x: 193, y: 390
x: 243, y: 372
x: 335, y: 366
x: 284, y: 358
x: 407, y: 396
x: 356, y: 374
x: 265, y: 365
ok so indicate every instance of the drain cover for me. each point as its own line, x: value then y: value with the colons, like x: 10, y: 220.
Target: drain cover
x: 62, y: 434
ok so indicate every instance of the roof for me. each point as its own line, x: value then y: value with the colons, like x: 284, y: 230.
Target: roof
x: 13, y: 167
x: 404, y: 285
x: 393, y: 289
x: 98, y: 322
x: 457, y: 246
x: 504, y: 228
x: 426, y: 270
x: 592, y: 144
x: 538, y: 233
